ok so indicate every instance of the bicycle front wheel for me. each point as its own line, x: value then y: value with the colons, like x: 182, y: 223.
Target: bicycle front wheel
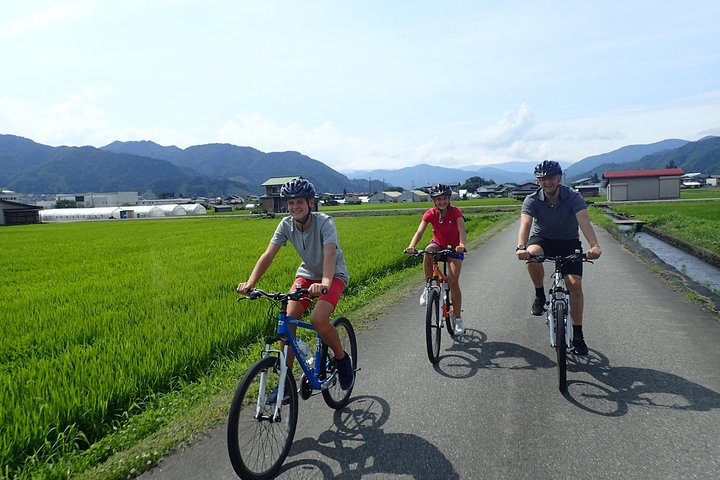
x: 334, y: 396
x: 450, y: 319
x: 433, y: 326
x: 257, y: 442
x: 560, y: 347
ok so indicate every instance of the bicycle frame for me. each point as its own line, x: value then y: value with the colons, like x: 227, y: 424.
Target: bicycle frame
x: 443, y: 286
x: 285, y: 335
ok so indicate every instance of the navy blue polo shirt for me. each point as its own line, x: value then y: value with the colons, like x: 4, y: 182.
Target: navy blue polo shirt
x: 557, y: 222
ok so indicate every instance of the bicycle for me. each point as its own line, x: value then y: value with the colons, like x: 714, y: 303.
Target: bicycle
x: 437, y: 292
x: 558, y: 313
x: 260, y: 432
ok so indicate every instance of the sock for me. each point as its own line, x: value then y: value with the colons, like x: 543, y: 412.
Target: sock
x: 577, y: 331
x: 540, y: 292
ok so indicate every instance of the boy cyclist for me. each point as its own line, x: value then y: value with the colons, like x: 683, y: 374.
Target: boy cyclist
x: 322, y: 271
x: 448, y: 225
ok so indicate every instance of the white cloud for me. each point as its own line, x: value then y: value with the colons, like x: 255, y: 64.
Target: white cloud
x: 511, y: 128
x: 72, y: 121
x: 43, y: 17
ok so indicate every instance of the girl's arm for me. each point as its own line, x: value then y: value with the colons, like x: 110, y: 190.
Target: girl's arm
x: 418, y: 235
x: 463, y: 235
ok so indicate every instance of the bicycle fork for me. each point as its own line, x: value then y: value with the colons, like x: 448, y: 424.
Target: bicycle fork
x: 262, y: 394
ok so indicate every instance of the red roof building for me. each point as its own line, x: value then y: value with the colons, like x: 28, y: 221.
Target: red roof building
x: 630, y: 185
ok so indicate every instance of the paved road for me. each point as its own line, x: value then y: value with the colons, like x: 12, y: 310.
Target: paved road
x: 645, y: 404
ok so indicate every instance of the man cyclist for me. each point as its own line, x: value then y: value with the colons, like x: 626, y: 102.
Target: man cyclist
x: 448, y: 225
x: 322, y: 271
x: 549, y: 224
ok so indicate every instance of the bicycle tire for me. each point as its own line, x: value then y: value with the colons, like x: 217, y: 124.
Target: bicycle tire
x: 334, y: 396
x: 258, y: 447
x: 433, y: 327
x: 560, y: 346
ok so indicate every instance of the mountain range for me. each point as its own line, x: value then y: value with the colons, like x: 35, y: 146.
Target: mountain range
x: 222, y: 169
x: 146, y: 167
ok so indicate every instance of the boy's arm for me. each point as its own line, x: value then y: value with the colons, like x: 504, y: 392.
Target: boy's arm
x: 329, y: 259
x: 261, y: 267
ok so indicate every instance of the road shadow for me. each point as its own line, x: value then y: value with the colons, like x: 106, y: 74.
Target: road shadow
x: 615, y: 389
x: 471, y: 352
x: 359, y: 445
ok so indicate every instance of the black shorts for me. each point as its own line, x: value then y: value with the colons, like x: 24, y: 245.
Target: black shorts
x: 554, y: 248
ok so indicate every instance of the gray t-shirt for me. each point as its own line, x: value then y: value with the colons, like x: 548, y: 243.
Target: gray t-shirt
x: 309, y: 245
x: 557, y: 222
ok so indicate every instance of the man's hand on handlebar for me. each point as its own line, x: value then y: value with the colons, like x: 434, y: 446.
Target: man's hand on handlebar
x: 524, y: 255
x: 594, y: 252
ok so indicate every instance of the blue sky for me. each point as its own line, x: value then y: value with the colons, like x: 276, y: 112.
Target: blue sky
x: 364, y: 84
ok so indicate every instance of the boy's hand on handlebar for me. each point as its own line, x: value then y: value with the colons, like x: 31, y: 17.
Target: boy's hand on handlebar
x: 410, y: 250
x: 317, y: 289
x: 244, y: 287
x: 460, y: 249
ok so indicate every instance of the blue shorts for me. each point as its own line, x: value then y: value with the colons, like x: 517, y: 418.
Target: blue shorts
x: 456, y: 255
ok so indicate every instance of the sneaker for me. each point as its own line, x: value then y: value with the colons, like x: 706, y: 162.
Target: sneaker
x: 538, y: 306
x: 423, y: 297
x: 345, y: 372
x: 579, y: 346
x: 459, y: 326
x: 272, y: 398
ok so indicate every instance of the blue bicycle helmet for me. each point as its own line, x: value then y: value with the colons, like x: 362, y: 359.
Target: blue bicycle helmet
x: 548, y: 168
x: 440, y: 189
x: 298, y: 188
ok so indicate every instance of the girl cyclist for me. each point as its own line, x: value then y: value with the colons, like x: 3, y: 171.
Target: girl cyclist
x: 448, y: 225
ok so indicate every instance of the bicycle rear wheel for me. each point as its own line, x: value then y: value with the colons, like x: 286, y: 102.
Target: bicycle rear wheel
x: 257, y: 443
x: 334, y: 396
x: 433, y: 326
x: 560, y: 346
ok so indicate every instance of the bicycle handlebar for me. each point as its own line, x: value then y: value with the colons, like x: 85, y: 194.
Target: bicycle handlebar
x: 297, y: 295
x: 437, y: 253
x: 575, y: 257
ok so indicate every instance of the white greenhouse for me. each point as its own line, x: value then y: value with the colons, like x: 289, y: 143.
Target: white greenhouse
x: 172, y: 210
x: 194, y: 208
x: 80, y: 214
x: 144, y: 211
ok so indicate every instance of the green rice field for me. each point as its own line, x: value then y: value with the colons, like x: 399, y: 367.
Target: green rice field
x: 99, y: 316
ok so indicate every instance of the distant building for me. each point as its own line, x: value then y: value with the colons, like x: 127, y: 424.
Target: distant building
x: 660, y: 184
x: 524, y: 189
x: 385, y: 197
x: 109, y: 199
x: 272, y: 201
x: 15, y: 213
x: 694, y: 180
